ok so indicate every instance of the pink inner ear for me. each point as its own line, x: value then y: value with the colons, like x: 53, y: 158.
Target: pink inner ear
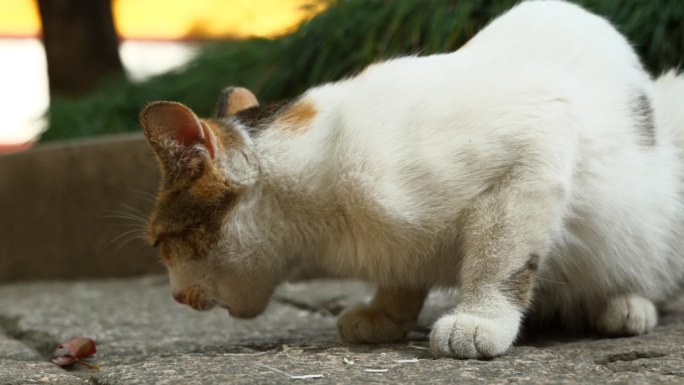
x: 189, y: 135
x: 169, y: 124
x: 183, y: 125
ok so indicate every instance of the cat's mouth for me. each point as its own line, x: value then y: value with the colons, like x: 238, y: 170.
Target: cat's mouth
x: 201, y: 305
x: 241, y: 313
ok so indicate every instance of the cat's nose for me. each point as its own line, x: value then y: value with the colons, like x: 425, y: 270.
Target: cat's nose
x: 193, y: 297
x: 179, y: 297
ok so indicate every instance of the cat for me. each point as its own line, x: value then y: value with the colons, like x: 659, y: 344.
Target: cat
x: 539, y: 169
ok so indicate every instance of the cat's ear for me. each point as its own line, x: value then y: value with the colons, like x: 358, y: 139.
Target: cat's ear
x: 233, y: 100
x: 178, y: 137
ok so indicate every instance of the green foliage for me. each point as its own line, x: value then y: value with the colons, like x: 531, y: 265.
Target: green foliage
x: 339, y: 42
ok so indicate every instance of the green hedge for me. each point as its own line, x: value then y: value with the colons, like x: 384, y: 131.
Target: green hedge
x: 345, y: 38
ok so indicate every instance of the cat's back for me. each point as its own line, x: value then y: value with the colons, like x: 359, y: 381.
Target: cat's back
x: 544, y: 73
x: 554, y: 32
x: 538, y: 49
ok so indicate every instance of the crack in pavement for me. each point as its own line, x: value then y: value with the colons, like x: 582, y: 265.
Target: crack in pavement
x: 39, y: 341
x: 653, y: 362
x: 628, y: 356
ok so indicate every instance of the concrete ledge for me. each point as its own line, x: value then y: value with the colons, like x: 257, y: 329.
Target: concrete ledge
x: 62, y: 210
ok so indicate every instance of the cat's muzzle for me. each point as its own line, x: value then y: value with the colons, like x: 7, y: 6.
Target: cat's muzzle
x: 194, y: 297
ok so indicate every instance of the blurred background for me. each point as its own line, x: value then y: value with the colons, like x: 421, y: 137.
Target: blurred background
x: 88, y: 45
x: 76, y: 178
x: 107, y: 58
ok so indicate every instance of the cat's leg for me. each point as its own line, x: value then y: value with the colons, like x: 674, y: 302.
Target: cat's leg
x: 627, y: 315
x: 391, y: 314
x: 505, y: 233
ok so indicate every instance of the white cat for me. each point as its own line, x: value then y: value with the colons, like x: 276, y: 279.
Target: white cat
x: 538, y: 169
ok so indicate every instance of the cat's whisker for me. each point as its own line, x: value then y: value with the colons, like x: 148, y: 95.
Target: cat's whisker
x: 129, y: 233
x: 129, y: 240
x: 215, y: 273
x: 139, y: 247
x: 125, y: 214
x: 122, y: 216
x: 126, y: 222
x: 133, y: 225
x: 205, y: 285
x: 146, y: 195
x: 133, y: 210
x: 129, y: 218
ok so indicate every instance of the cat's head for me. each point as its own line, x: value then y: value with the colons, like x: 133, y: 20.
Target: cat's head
x: 208, y: 167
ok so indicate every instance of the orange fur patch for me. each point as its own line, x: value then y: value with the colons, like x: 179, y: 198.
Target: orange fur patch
x: 297, y: 116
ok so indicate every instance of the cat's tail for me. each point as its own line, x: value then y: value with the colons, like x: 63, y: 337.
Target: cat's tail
x: 669, y: 93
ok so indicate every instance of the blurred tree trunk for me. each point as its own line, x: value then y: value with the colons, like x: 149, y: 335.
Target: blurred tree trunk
x: 81, y: 44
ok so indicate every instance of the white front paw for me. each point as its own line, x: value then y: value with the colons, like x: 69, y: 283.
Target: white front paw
x: 628, y: 315
x: 464, y: 335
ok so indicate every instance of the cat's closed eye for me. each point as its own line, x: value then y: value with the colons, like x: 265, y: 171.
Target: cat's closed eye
x: 155, y: 239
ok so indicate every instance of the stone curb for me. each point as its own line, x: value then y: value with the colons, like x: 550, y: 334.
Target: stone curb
x: 72, y: 210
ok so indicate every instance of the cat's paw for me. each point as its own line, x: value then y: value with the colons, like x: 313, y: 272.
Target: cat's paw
x: 364, y: 324
x: 628, y: 315
x: 464, y: 335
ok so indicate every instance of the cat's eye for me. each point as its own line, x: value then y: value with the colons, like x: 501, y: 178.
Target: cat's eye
x: 156, y: 240
x: 167, y: 235
x: 161, y: 237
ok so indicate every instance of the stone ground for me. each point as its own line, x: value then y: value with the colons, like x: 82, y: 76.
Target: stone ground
x: 143, y: 337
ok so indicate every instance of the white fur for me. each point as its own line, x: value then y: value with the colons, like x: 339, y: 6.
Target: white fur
x: 481, y: 333
x: 628, y: 315
x: 401, y: 164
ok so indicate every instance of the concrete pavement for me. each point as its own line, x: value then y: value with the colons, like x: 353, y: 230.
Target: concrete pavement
x: 143, y: 337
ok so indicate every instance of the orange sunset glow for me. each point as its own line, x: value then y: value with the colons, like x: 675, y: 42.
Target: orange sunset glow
x: 179, y: 19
